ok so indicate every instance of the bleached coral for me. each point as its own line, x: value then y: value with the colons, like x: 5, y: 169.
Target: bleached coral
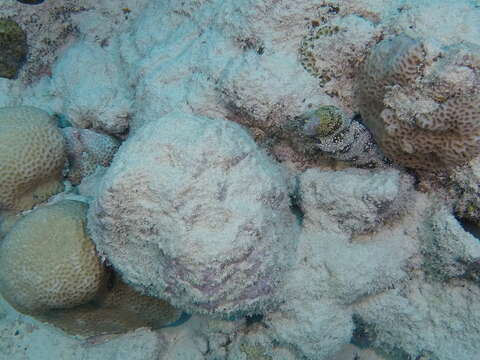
x: 358, y: 200
x: 205, y: 210
x: 334, y: 46
x: 316, y: 329
x: 449, y: 250
x: 421, y: 318
x: 239, y: 60
x: 465, y: 191
x: 94, y: 94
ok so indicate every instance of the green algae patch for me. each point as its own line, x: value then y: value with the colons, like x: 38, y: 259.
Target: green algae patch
x: 13, y: 48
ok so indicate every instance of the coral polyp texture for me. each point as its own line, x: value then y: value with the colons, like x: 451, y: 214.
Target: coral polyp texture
x: 202, y: 209
x: 86, y: 150
x: 32, y: 156
x: 419, y: 118
x: 48, y: 262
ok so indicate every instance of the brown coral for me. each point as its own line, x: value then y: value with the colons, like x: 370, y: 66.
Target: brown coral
x: 117, y: 309
x: 410, y: 119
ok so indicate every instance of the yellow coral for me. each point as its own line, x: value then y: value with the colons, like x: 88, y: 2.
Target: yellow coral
x: 32, y: 157
x: 47, y: 261
x: 49, y: 268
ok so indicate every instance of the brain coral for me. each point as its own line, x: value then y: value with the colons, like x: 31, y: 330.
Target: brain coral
x: 32, y: 157
x: 202, y: 210
x: 421, y: 119
x: 47, y: 261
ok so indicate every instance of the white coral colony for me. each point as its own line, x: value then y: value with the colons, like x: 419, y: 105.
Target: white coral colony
x: 203, y: 209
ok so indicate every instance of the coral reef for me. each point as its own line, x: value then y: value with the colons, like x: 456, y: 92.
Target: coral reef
x: 284, y: 260
x: 222, y: 229
x: 13, y: 47
x: 49, y: 269
x: 315, y: 329
x: 449, y: 250
x: 465, y: 191
x: 218, y: 238
x: 412, y: 319
x: 32, y: 157
x: 416, y: 122
x: 86, y: 150
x: 373, y: 197
x: 334, y: 47
x: 49, y: 28
x: 50, y: 266
x: 86, y: 104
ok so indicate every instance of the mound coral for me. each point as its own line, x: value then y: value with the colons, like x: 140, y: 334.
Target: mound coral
x: 48, y: 262
x: 32, y: 156
x: 417, y: 121
x: 359, y: 200
x: 49, y: 269
x: 203, y: 210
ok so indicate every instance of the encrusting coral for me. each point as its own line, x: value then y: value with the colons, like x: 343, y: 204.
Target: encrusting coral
x: 32, y: 157
x: 415, y: 122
